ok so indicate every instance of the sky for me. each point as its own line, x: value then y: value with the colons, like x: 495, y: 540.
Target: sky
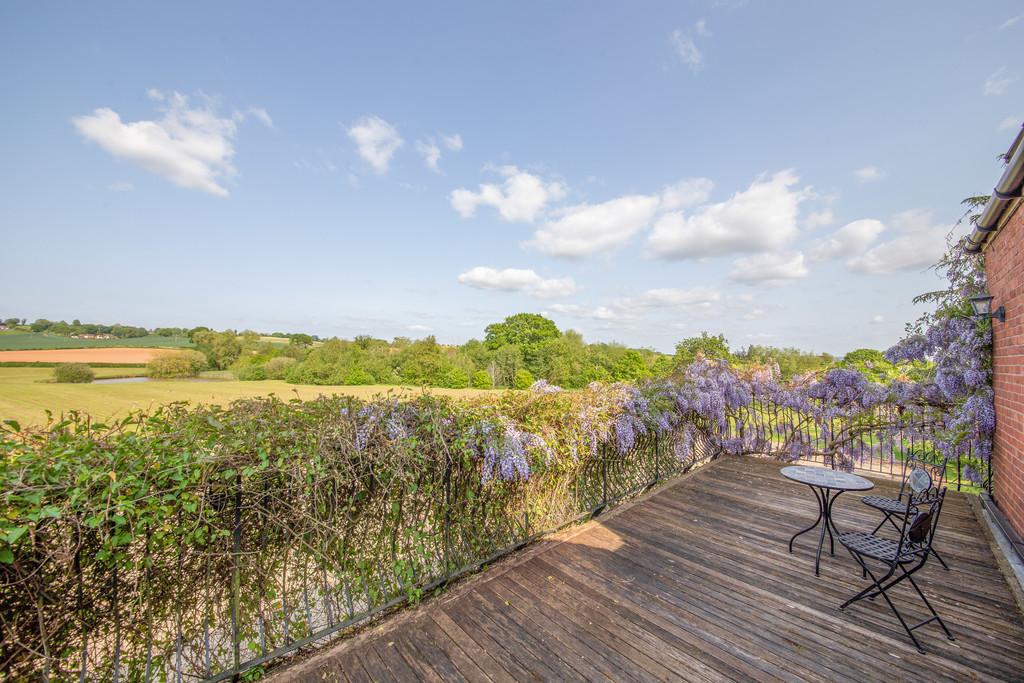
x: 783, y: 173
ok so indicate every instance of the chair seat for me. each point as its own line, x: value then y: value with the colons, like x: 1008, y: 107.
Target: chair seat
x: 877, y: 547
x: 890, y: 505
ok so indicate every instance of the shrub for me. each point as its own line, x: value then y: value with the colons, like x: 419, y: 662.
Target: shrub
x: 250, y: 372
x: 73, y: 373
x: 482, y: 380
x: 179, y: 364
x: 523, y: 379
x: 277, y: 367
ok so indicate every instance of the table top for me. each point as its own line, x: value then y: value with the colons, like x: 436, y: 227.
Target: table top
x: 826, y: 478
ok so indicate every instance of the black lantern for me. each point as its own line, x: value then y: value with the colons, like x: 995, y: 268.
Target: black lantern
x: 982, y: 306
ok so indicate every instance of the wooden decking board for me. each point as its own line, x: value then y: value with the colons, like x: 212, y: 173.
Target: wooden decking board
x: 695, y: 582
x: 955, y: 585
x: 575, y: 624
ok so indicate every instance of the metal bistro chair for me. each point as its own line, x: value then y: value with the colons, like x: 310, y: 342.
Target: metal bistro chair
x: 920, y: 520
x: 896, y: 507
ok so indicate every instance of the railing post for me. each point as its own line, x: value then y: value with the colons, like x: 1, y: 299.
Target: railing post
x: 236, y: 576
x: 604, y: 477
x: 657, y: 459
x: 447, y: 516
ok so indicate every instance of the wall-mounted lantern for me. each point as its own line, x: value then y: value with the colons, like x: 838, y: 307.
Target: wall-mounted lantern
x: 982, y: 305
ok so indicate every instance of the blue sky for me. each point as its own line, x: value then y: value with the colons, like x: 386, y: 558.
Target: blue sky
x: 779, y: 172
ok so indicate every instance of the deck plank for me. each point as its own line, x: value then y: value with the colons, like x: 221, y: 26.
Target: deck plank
x: 695, y: 582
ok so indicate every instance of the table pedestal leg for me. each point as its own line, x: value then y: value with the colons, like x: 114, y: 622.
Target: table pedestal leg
x: 825, y: 498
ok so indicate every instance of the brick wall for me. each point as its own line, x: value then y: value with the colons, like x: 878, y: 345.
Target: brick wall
x: 1004, y: 263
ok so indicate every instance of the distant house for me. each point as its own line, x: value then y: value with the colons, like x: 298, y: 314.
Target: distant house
x: 3, y: 327
x: 999, y: 233
x: 86, y: 335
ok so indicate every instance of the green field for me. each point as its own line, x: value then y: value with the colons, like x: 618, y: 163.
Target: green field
x: 26, y: 393
x: 24, y: 341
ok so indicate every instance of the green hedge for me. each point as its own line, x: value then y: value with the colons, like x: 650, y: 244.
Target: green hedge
x: 196, y: 537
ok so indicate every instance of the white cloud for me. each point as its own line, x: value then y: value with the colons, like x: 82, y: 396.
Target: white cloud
x: 919, y: 246
x: 260, y: 114
x: 686, y: 50
x: 452, y: 142
x: 1010, y: 122
x: 518, y: 280
x: 190, y: 146
x: 867, y: 174
x: 695, y: 297
x: 853, y: 238
x: 120, y: 187
x: 770, y: 269
x: 1010, y: 22
x: 761, y: 218
x: 998, y: 82
x: 521, y: 197
x: 819, y: 219
x: 376, y: 141
x: 877, y: 319
x: 585, y: 229
x: 431, y: 154
x: 577, y: 311
x: 686, y: 193
x: 420, y: 328
x: 702, y: 29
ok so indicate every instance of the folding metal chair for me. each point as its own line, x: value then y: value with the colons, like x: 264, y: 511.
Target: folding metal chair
x: 908, y: 555
x: 896, y: 507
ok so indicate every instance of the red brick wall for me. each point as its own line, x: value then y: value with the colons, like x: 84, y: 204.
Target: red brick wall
x: 1004, y: 263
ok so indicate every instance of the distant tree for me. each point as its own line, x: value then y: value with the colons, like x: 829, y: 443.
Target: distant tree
x: 275, y: 368
x: 221, y: 348
x: 196, y: 330
x: 630, y: 367
x: 523, y: 379
x: 301, y: 339
x: 482, y: 380
x: 714, y: 347
x: 872, y: 364
x: 186, y: 363
x: 522, y: 329
x: 12, y: 322
x: 73, y: 373
x: 41, y: 325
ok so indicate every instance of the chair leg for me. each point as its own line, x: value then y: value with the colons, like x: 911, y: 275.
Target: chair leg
x: 864, y: 593
x: 929, y: 606
x: 935, y: 552
x: 887, y: 518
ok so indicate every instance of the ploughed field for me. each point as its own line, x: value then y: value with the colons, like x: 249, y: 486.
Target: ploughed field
x: 26, y: 393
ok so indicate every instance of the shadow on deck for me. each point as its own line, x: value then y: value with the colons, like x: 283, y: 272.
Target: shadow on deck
x: 694, y: 582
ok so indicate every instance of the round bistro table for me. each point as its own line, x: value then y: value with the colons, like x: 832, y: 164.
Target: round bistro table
x: 827, y: 485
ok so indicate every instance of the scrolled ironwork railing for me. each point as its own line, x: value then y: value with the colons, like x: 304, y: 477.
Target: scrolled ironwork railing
x: 279, y: 563
x: 877, y: 441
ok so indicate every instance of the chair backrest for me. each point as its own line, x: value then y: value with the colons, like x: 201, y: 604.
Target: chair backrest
x: 924, y: 503
x: 935, y: 468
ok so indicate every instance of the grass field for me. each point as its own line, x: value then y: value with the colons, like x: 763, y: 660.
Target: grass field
x: 18, y: 341
x: 25, y: 393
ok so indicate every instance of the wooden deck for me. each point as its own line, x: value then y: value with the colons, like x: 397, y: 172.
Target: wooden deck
x: 694, y: 582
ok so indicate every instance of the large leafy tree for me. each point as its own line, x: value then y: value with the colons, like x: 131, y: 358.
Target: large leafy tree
x: 526, y: 330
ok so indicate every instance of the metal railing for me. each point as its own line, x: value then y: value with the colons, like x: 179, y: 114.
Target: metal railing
x: 254, y: 585
x: 879, y: 442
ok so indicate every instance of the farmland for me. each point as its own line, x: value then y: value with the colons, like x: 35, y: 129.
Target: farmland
x: 27, y: 393
x: 104, y: 356
x: 17, y: 341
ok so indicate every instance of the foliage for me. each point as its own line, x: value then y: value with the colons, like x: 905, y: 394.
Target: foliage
x: 714, y: 347
x: 290, y: 515
x: 220, y: 348
x: 791, y: 362
x: 523, y: 379
x: 481, y: 380
x: 872, y: 364
x: 959, y: 349
x: 179, y: 364
x: 73, y: 373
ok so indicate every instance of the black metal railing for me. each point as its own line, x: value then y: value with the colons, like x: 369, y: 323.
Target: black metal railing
x: 274, y: 565
x: 878, y: 441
